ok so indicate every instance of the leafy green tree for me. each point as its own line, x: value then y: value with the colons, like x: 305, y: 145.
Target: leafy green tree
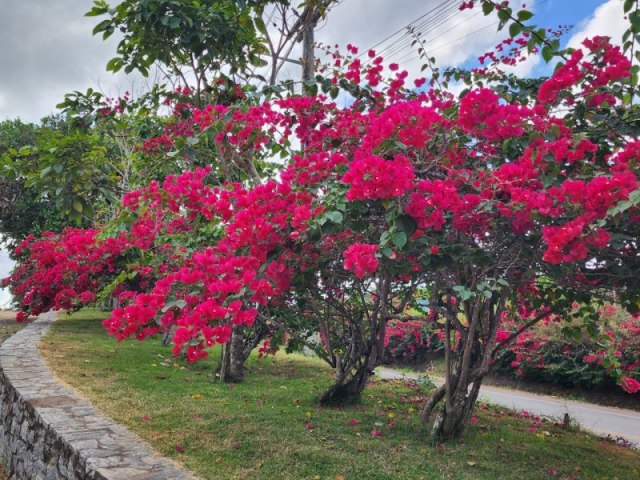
x: 188, y: 39
x: 53, y: 175
x: 22, y: 210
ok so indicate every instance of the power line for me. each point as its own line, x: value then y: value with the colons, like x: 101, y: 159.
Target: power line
x: 403, y: 29
x: 440, y: 47
x: 414, y: 31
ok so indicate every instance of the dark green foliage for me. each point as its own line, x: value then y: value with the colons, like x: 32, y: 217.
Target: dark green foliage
x: 23, y: 209
x: 559, y: 363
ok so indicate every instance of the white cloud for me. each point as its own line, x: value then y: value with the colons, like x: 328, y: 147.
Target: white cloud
x: 47, y: 51
x: 607, y: 19
x: 453, y: 37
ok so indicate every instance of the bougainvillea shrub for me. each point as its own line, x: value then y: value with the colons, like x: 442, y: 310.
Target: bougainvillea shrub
x: 511, y: 201
x: 484, y: 197
x: 412, y: 342
x: 591, y: 361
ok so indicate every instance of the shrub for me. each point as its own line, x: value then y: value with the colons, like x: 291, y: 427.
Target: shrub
x: 545, y: 355
x: 412, y: 342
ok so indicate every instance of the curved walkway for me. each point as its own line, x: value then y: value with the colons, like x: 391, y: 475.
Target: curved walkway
x: 49, y: 432
x: 616, y: 422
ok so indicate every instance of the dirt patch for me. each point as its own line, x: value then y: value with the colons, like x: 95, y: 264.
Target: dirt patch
x: 7, y: 315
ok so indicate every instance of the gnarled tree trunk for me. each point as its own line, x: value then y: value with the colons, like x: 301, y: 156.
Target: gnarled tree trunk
x: 448, y: 409
x: 353, y: 333
x: 450, y: 420
x: 351, y: 380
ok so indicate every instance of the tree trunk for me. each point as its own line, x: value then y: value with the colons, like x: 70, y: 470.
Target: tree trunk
x: 351, y: 379
x: 236, y: 354
x: 346, y: 390
x: 451, y: 419
x: 167, y: 337
x: 231, y: 367
x: 223, y: 367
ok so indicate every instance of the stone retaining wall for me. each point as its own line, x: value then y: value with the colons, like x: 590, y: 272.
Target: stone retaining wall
x: 48, y: 433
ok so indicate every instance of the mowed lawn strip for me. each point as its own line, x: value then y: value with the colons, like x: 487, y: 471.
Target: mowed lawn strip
x: 8, y: 324
x: 270, y: 428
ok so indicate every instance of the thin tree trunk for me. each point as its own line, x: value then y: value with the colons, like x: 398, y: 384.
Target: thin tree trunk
x: 167, y: 338
x: 223, y: 367
x: 236, y: 354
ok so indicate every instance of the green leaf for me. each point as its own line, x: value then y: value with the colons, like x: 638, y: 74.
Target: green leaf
x: 334, y: 216
x: 628, y: 5
x: 547, y: 53
x: 487, y: 7
x: 260, y: 26
x: 514, y: 29
x: 466, y: 295
x: 524, y: 15
x: 407, y: 224
x: 100, y: 8
x: 115, y: 64
x: 504, y: 14
x: 102, y: 26
x: 399, y: 239
x: 77, y: 206
x: 45, y: 171
x: 311, y: 89
x: 634, y: 19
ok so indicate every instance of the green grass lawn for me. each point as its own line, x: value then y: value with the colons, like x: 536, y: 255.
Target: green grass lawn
x: 270, y: 428
x: 8, y: 325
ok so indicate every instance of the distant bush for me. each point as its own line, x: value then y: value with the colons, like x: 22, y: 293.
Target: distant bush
x: 412, y: 342
x: 544, y: 354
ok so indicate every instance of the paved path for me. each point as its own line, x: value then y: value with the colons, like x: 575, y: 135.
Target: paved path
x: 66, y: 426
x: 617, y: 422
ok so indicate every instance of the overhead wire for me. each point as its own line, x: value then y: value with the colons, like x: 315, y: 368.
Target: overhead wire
x: 403, y: 29
x: 440, y: 15
x: 418, y: 30
x: 457, y: 40
x: 450, y: 29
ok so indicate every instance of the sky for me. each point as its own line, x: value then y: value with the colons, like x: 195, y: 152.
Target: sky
x: 47, y: 50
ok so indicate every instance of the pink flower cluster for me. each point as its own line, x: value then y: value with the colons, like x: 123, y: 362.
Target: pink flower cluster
x: 372, y: 178
x: 360, y: 258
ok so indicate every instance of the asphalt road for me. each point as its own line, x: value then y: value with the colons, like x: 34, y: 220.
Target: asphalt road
x: 617, y: 422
